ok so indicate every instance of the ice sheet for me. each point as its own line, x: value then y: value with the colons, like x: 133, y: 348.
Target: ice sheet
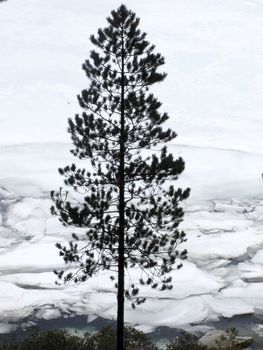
x: 214, y: 281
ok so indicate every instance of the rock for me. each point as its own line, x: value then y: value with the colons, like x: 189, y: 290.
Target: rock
x: 211, y: 338
x: 214, y: 337
x: 243, y: 342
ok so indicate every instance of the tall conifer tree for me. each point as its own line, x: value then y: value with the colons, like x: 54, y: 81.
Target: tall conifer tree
x: 130, y: 218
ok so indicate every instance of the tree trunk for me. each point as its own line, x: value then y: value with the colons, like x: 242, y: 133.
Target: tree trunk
x: 120, y: 312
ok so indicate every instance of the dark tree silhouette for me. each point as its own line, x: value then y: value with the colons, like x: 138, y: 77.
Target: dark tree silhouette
x: 130, y: 218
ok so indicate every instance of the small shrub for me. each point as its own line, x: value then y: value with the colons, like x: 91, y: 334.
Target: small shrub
x: 228, y: 341
x: 137, y: 339
x: 105, y: 339
x: 185, y: 341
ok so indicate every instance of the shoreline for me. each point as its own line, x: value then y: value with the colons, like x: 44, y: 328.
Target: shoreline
x: 245, y: 324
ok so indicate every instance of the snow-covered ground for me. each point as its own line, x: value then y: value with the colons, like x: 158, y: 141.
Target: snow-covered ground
x: 214, y: 95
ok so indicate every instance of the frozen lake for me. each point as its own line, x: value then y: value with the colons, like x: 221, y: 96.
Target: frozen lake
x: 223, y: 276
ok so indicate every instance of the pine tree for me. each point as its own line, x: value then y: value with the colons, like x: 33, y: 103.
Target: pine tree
x: 130, y: 217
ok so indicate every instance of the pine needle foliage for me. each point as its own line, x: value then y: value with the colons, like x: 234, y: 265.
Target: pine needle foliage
x: 130, y: 209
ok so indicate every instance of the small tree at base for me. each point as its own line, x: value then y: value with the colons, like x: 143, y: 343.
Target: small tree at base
x: 130, y: 217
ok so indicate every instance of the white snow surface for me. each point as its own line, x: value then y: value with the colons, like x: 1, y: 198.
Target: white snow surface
x: 214, y: 95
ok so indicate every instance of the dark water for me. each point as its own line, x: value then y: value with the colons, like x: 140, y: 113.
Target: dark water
x: 160, y: 336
